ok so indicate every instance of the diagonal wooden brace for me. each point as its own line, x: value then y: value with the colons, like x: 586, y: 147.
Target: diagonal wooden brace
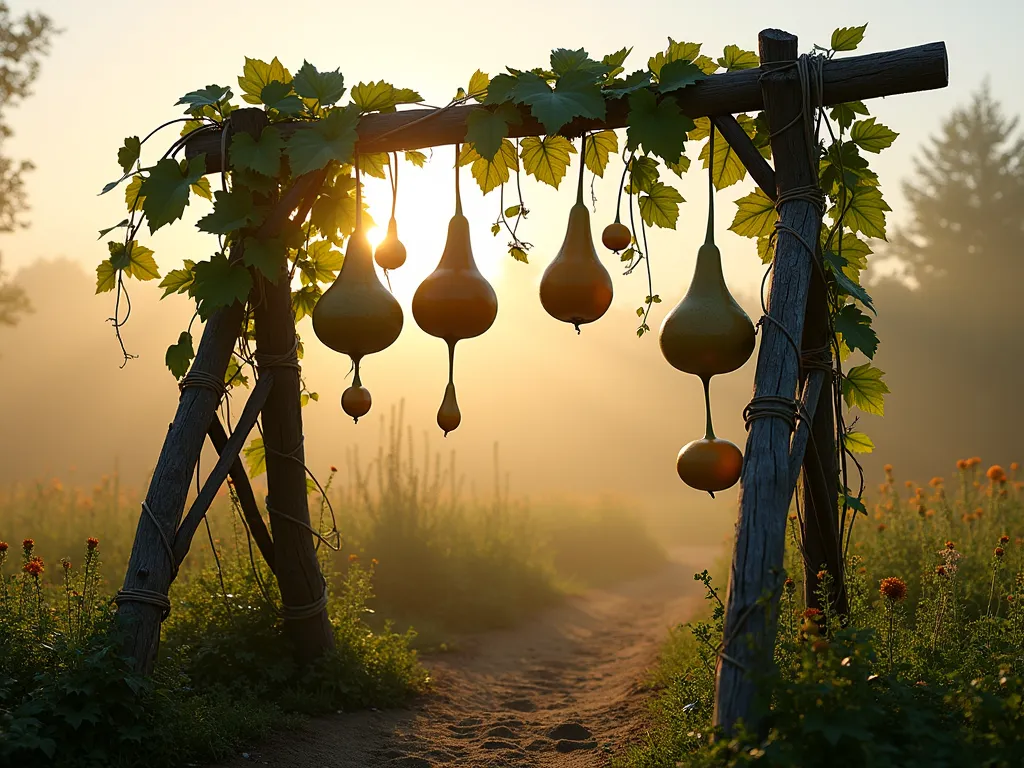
x: 759, y: 169
x: 228, y: 459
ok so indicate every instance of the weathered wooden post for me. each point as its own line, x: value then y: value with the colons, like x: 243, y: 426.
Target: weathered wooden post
x: 766, y: 484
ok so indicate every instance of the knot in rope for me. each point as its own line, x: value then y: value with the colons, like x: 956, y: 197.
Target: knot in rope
x: 289, y: 359
x: 203, y: 380
x: 808, y: 193
x: 819, y: 359
x: 771, y: 407
x: 146, y: 597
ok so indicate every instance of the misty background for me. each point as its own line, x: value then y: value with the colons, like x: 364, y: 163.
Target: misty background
x: 595, y: 416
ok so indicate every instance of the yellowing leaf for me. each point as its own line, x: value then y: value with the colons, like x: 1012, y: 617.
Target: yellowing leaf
x: 866, y: 212
x: 871, y: 136
x: 755, y: 215
x: 600, y: 146
x: 547, y: 158
x: 132, y: 198
x: 255, y: 457
x: 202, y: 188
x: 478, y: 85
x: 382, y: 97
x: 257, y: 74
x: 728, y: 168
x: 106, y: 276
x: 416, y: 157
x: 863, y: 388
x: 847, y: 38
x: 660, y: 207
x: 141, y: 264
x: 373, y: 164
x: 491, y: 174
x: 734, y: 58
x: 858, y: 442
x: 674, y: 52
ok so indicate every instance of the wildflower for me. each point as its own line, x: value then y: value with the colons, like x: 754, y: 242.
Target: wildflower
x: 996, y: 474
x: 91, y: 543
x: 790, y: 585
x: 935, y: 482
x: 929, y: 513
x: 974, y: 461
x: 374, y: 561
x: 950, y: 545
x: 34, y: 567
x: 1009, y: 598
x: 353, y: 557
x: 333, y: 468
x: 1014, y: 466
x: 1004, y: 539
x: 961, y: 464
x: 4, y: 546
x: 940, y: 570
x: 909, y: 483
x: 862, y: 569
x: 27, y: 545
x: 812, y: 614
x: 999, y: 551
x: 881, y: 527
x: 893, y: 589
x: 66, y: 563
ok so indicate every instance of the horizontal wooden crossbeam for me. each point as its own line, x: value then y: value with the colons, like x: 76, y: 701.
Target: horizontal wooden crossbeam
x: 855, y: 78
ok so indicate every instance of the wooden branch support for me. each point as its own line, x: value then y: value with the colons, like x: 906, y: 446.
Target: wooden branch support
x: 246, y: 498
x: 854, y: 78
x: 759, y: 169
x: 153, y: 566
x: 808, y: 406
x: 765, y: 490
x: 219, y: 473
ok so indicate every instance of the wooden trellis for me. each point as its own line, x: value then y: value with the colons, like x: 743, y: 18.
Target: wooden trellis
x: 774, y: 454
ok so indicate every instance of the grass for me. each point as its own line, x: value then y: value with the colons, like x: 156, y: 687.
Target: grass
x: 415, y: 554
x: 926, y: 670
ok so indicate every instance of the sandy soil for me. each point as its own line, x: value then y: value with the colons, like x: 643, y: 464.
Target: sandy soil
x: 562, y: 689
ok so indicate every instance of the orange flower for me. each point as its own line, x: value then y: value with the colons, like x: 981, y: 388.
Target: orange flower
x: 353, y: 557
x: 998, y: 552
x: 822, y: 575
x: 974, y: 461
x: 929, y: 513
x: 374, y: 561
x: 34, y: 567
x: 909, y: 483
x: 893, y: 589
x: 1004, y: 539
x: 950, y: 545
x: 1014, y: 466
x: 961, y: 464
x: 996, y: 474
x: 333, y: 468
x: 4, y: 546
x: 888, y: 469
x: 91, y: 543
x: 935, y: 482
x: 789, y: 584
x: 27, y: 545
x: 792, y: 517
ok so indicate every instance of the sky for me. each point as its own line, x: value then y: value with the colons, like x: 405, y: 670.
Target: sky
x: 118, y: 67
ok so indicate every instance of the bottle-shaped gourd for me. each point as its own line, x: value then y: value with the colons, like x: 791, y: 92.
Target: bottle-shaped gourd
x: 390, y: 253
x: 454, y: 302
x: 357, y: 316
x: 707, y: 334
x: 576, y: 288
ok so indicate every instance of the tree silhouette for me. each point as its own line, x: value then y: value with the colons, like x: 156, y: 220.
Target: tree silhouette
x: 24, y: 41
x: 966, y: 198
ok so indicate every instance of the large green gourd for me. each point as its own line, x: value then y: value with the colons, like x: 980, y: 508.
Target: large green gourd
x: 357, y: 315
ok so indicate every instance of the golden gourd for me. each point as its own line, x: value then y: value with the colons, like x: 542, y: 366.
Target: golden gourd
x: 357, y: 316
x: 616, y: 236
x: 390, y: 253
x: 576, y: 288
x: 454, y: 302
x: 710, y: 464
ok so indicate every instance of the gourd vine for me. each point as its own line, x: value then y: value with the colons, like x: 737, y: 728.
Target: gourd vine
x: 309, y: 130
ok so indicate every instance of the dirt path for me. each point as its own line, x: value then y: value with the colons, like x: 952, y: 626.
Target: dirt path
x: 560, y: 690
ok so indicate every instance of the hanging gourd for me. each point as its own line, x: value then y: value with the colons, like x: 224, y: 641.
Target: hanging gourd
x: 706, y: 334
x: 390, y: 253
x: 576, y: 288
x: 616, y: 236
x: 454, y: 302
x: 357, y: 315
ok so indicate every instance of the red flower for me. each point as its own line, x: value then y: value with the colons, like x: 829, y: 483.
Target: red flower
x: 950, y: 545
x: 1004, y: 539
x: 893, y: 588
x: 999, y: 552
x: 91, y: 543
x: 27, y: 545
x: 812, y: 613
x: 4, y: 546
x: 34, y: 567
